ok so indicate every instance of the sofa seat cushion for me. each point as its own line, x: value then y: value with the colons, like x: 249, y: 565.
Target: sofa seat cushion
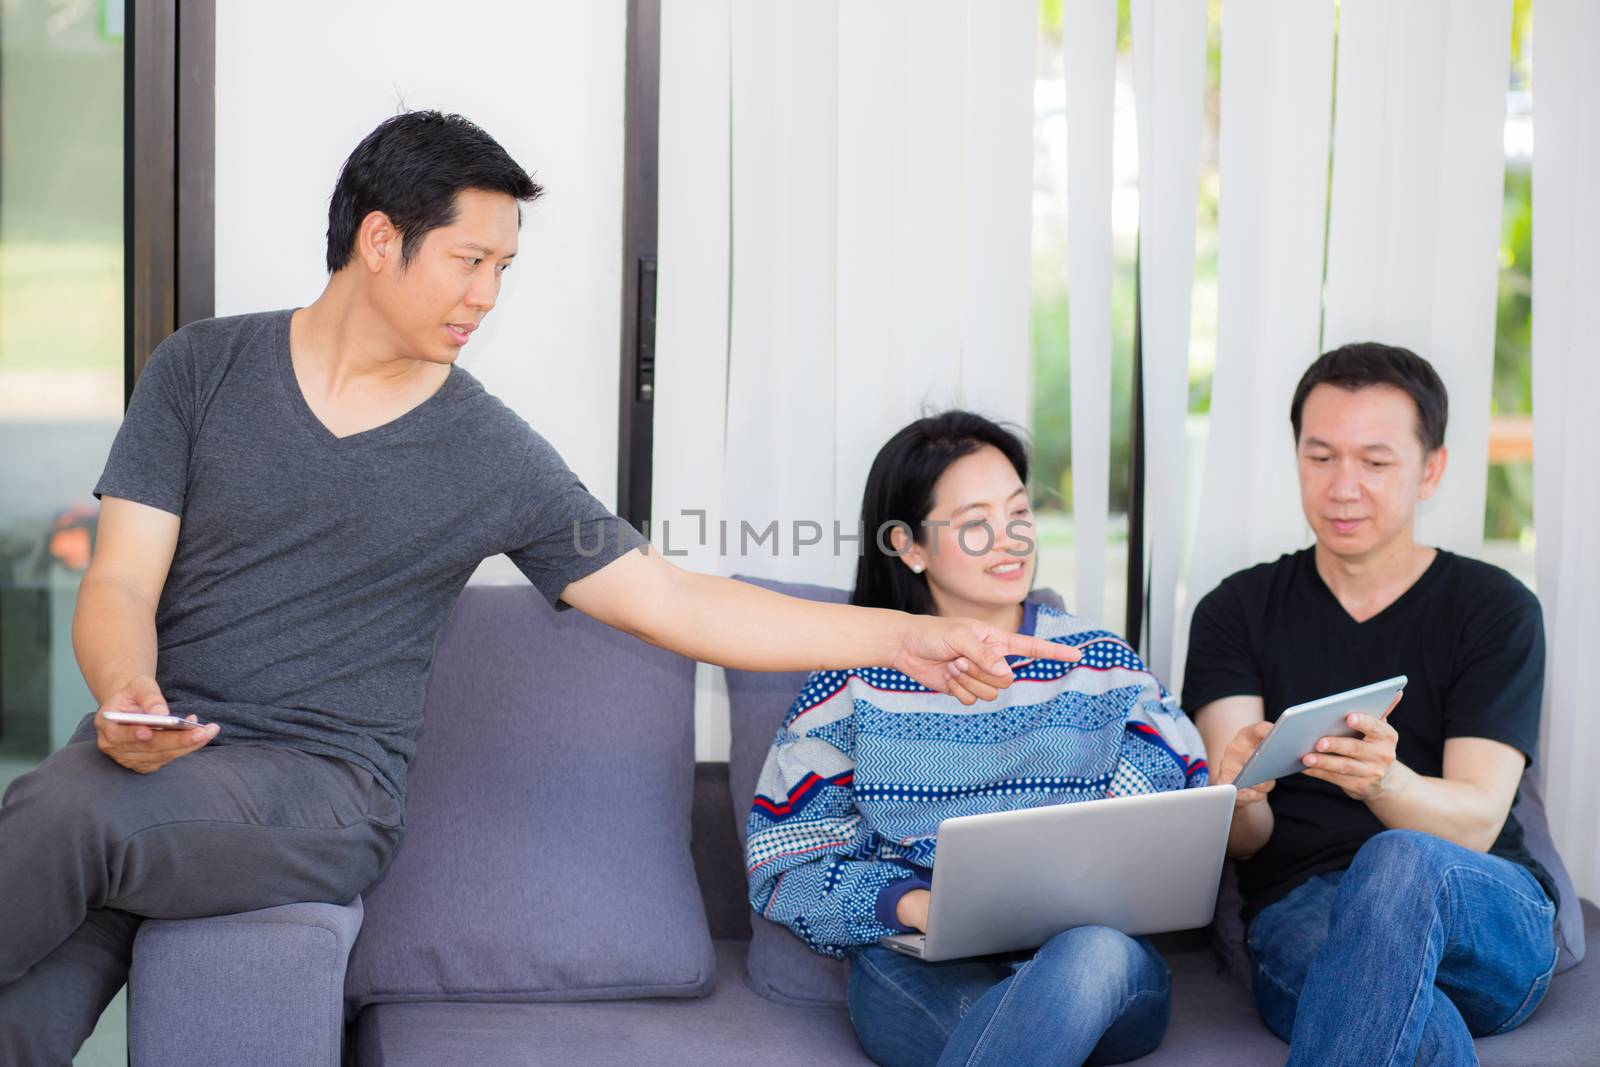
x: 1214, y: 1024
x: 733, y: 1027
x: 546, y: 853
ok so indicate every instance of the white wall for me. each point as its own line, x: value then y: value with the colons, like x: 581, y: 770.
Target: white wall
x: 299, y: 83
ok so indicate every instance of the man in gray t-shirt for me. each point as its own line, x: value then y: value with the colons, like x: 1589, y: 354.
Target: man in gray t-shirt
x: 293, y: 503
x: 313, y: 571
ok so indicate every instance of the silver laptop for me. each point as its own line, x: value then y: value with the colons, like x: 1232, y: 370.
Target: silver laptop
x: 1014, y: 879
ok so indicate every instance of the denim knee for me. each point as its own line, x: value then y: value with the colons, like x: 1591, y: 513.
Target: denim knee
x: 1107, y: 958
x: 893, y: 1024
x: 1400, y: 860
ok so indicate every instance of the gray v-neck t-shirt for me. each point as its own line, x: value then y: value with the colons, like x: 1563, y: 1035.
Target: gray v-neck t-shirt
x: 313, y: 572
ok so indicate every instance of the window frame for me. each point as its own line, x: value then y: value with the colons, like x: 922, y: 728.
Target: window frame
x: 169, y: 174
x: 641, y: 167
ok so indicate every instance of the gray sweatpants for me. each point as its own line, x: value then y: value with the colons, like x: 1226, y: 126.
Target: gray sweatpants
x: 89, y: 849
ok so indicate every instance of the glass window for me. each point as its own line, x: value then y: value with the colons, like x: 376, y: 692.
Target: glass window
x: 61, y: 361
x: 1508, y: 517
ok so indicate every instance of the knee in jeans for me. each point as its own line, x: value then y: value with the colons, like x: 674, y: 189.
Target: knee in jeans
x: 1100, y: 955
x: 1402, y: 860
x: 894, y: 1027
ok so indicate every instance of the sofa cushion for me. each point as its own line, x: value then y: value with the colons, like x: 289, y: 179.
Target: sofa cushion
x: 546, y: 854
x: 781, y: 968
x: 1214, y: 1024
x: 286, y: 963
x: 1530, y: 815
x: 730, y: 1028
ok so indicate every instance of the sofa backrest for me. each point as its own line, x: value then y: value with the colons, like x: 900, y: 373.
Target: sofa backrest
x: 719, y: 856
x: 546, y: 854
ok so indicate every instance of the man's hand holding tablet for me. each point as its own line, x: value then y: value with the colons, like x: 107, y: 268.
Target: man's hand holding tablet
x: 1344, y: 739
x: 1358, y: 765
x: 1236, y: 755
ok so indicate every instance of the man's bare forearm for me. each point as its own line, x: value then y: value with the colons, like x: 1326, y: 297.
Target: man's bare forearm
x: 113, y: 634
x: 1462, y: 812
x: 710, y: 619
x: 735, y: 624
x: 1250, y: 831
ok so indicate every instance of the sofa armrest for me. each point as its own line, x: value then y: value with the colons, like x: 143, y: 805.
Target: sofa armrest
x: 260, y: 987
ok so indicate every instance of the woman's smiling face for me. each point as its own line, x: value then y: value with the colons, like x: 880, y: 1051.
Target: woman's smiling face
x: 977, y: 545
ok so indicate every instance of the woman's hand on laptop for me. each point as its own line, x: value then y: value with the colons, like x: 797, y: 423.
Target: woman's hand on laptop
x: 912, y: 909
x: 965, y: 657
x: 1239, y: 750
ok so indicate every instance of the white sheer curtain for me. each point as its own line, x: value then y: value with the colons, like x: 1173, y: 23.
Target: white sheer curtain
x: 780, y: 414
x: 996, y: 206
x: 1412, y: 243
x: 1277, y: 88
x: 1566, y: 381
x: 1169, y: 59
x: 1414, y: 236
x: 1089, y: 41
x: 935, y: 165
x: 692, y: 245
x: 899, y: 328
x: 844, y: 242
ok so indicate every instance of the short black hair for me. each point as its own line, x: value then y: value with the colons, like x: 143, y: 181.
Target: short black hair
x: 411, y: 168
x: 900, y: 490
x: 1365, y: 363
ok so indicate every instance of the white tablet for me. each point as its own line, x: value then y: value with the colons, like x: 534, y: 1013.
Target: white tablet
x: 1298, y: 730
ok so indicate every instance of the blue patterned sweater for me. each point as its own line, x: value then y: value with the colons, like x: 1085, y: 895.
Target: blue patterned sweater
x: 869, y: 762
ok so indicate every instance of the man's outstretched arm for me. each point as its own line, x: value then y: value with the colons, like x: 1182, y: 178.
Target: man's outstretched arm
x: 114, y: 632
x: 735, y: 624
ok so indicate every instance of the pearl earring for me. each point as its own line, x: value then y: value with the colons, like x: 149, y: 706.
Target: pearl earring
x: 916, y: 568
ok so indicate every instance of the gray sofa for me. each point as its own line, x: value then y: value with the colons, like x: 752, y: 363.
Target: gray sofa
x: 570, y: 891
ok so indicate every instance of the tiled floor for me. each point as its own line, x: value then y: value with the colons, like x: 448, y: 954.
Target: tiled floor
x: 108, y: 1045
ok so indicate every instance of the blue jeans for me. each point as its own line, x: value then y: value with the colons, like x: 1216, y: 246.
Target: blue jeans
x: 1405, y: 956
x: 1089, y: 994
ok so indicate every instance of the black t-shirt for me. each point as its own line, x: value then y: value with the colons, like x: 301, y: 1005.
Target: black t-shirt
x: 1470, y: 638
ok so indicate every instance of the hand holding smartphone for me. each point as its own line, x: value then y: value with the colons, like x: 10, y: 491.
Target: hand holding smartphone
x: 133, y: 728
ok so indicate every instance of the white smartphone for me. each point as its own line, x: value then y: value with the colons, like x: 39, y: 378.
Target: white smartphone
x: 1299, y: 728
x: 155, y: 722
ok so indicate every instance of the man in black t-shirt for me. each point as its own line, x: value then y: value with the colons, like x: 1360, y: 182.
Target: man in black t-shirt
x: 1393, y: 909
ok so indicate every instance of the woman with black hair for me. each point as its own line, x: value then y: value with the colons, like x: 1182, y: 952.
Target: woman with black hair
x: 842, y: 832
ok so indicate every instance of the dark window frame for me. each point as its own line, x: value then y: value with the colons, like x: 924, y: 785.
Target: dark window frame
x: 1138, y: 583
x: 169, y: 173
x: 641, y: 167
